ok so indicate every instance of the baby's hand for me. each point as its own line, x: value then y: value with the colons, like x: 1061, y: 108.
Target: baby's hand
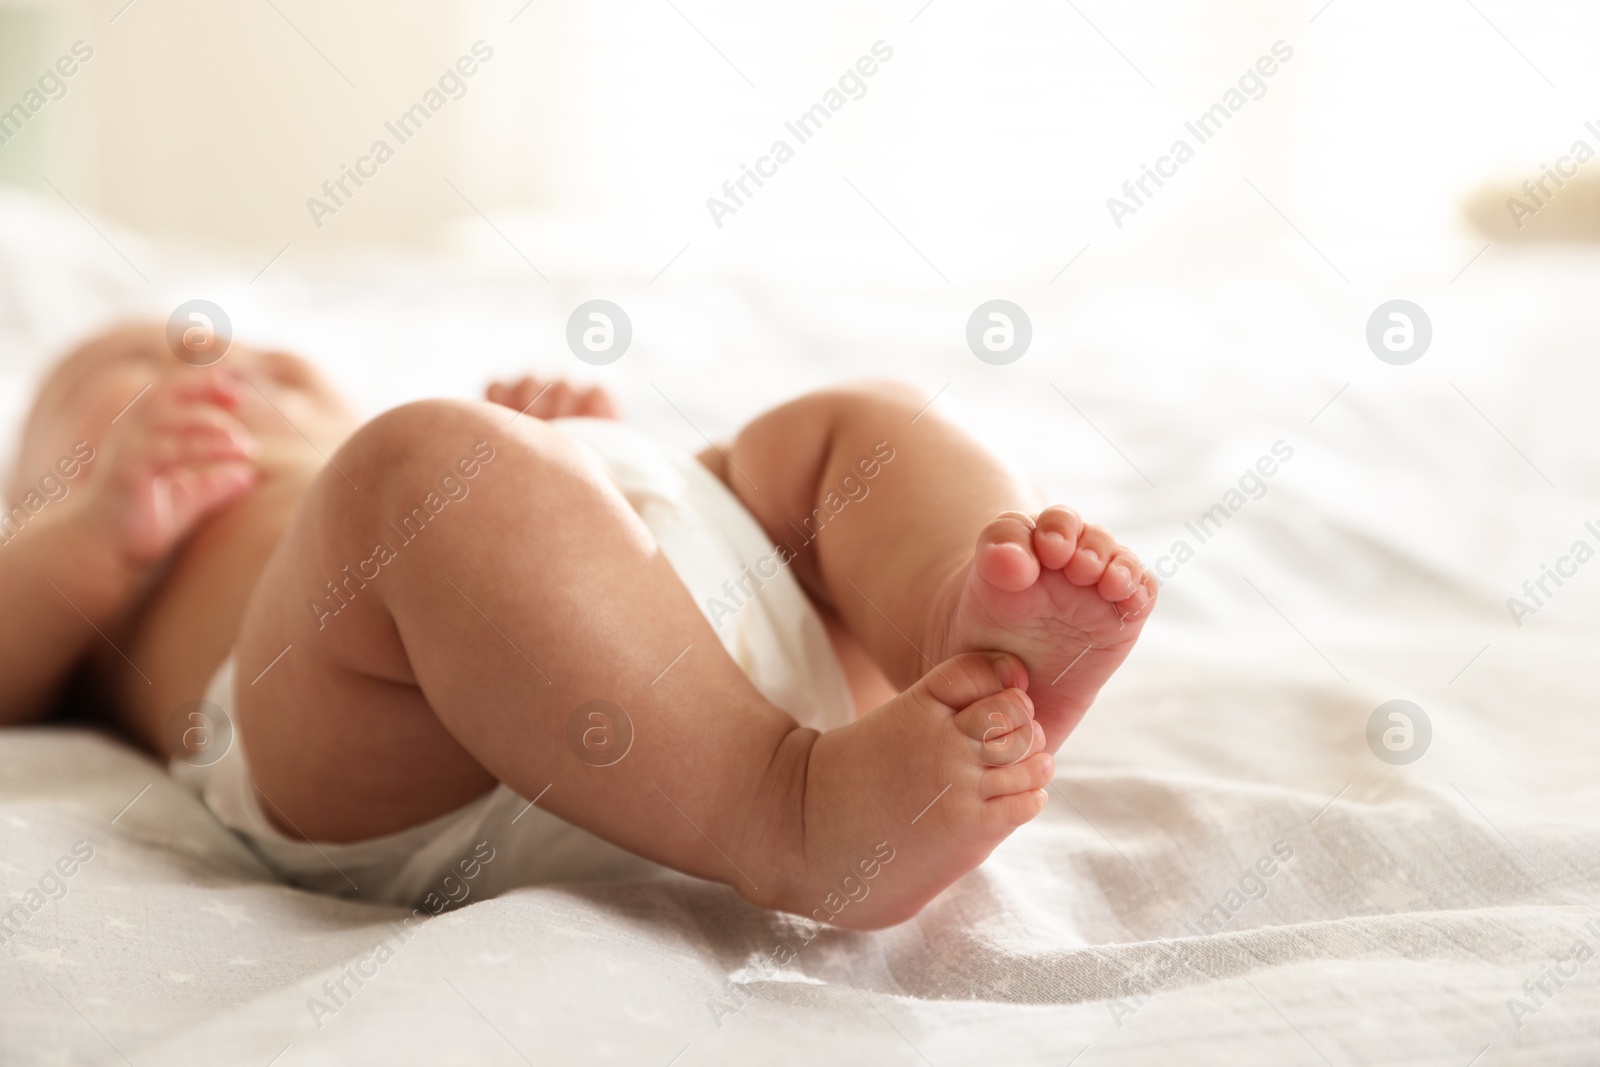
x: 174, y: 457
x: 553, y: 400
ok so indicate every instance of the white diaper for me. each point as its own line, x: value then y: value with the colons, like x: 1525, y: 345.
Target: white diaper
x: 499, y: 841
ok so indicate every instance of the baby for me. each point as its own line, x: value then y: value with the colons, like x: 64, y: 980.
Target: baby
x: 405, y: 618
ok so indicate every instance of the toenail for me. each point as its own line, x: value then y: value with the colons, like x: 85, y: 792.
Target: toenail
x: 1089, y: 554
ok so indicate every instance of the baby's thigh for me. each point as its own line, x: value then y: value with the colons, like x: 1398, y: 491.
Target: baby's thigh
x: 338, y: 753
x: 468, y: 650
x: 341, y: 743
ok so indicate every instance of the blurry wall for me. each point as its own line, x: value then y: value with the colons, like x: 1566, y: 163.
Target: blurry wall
x: 219, y: 119
x: 995, y: 133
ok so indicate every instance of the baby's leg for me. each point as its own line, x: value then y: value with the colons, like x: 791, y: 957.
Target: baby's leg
x: 461, y: 654
x: 884, y: 502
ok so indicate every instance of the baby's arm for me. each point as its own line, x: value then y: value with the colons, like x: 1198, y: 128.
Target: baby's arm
x: 74, y: 569
x: 55, y: 575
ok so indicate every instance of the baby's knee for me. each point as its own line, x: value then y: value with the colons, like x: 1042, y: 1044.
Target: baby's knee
x: 425, y: 439
x: 417, y: 425
x: 441, y: 448
x: 864, y: 399
x: 889, y: 392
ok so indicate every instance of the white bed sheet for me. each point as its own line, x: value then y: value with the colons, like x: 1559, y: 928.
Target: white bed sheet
x: 1418, y: 899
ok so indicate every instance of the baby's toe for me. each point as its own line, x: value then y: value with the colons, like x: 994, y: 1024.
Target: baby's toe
x: 962, y: 681
x: 1055, y: 537
x: 1005, y: 553
x: 1007, y: 812
x: 1121, y: 577
x: 1140, y: 600
x: 1002, y: 726
x: 1096, y: 547
x: 1024, y: 776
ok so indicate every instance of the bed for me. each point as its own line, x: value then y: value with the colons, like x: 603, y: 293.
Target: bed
x: 1237, y: 863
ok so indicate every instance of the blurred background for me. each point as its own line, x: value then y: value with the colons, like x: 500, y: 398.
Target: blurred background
x: 991, y: 140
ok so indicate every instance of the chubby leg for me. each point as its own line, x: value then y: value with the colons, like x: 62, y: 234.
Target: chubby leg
x: 445, y: 632
x: 926, y: 546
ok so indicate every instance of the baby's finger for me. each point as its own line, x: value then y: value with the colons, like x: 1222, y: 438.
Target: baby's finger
x: 204, y: 417
x: 197, y: 435
x: 163, y: 507
x: 597, y: 403
x: 526, y: 396
x: 198, y: 445
x: 167, y: 412
x: 212, y: 385
x: 193, y: 492
x: 557, y: 402
x: 521, y: 389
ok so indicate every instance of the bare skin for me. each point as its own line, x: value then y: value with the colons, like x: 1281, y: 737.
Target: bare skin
x: 538, y: 588
x: 143, y: 567
x: 907, y: 580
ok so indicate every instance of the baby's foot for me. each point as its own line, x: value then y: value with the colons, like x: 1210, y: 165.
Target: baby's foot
x: 916, y: 793
x: 1063, y: 597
